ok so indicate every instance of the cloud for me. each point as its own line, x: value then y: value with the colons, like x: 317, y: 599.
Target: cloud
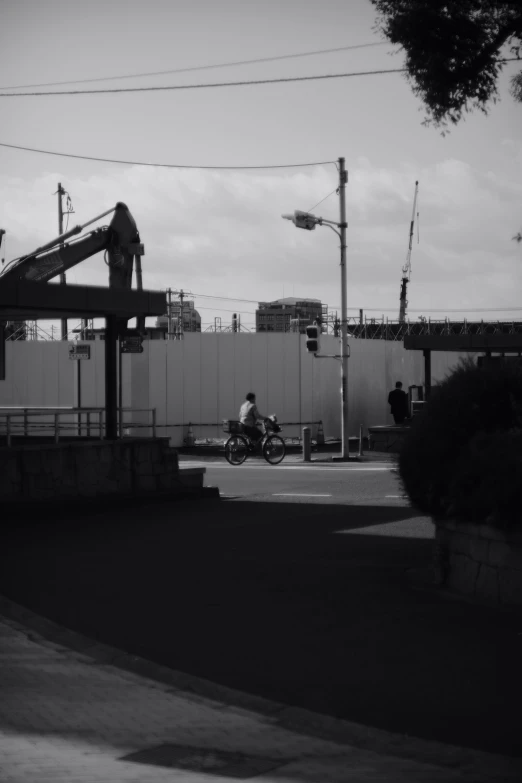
x: 221, y: 232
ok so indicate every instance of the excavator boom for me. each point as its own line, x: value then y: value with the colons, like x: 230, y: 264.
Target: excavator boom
x: 120, y: 240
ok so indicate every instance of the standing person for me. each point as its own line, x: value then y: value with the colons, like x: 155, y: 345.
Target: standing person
x: 249, y: 416
x: 398, y: 400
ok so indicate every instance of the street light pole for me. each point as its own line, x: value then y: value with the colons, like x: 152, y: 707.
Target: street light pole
x: 343, y: 177
x: 63, y: 321
x: 308, y: 221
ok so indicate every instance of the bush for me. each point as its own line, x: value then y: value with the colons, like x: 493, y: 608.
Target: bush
x: 463, y: 455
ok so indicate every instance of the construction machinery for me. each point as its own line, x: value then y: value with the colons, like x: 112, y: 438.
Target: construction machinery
x: 406, y: 269
x: 119, y: 240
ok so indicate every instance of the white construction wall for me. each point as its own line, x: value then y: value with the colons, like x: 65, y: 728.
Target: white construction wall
x: 204, y: 378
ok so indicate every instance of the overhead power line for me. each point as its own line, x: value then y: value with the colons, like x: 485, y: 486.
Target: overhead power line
x: 227, y: 298
x: 378, y: 309
x: 164, y: 165
x: 210, y: 85
x: 198, y: 67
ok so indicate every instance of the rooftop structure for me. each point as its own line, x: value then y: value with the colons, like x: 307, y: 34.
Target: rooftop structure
x: 183, y: 315
x: 288, y: 314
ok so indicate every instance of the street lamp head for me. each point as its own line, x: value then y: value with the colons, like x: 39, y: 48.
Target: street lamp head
x: 303, y: 220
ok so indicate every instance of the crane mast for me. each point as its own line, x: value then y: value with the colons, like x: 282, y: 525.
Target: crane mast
x: 406, y: 269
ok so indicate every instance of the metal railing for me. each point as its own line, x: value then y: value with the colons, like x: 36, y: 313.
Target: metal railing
x: 90, y: 423
x: 219, y: 425
x: 86, y: 422
x: 387, y: 329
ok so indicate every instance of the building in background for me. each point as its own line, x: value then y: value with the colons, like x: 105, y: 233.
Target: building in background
x: 288, y: 315
x: 184, y: 318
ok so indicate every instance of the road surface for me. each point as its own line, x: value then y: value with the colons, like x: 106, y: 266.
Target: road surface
x: 297, y: 588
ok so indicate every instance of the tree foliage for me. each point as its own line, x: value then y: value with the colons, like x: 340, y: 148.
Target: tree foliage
x: 454, y: 50
x: 462, y: 457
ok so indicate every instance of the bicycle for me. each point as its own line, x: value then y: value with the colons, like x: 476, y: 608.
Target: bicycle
x: 239, y: 445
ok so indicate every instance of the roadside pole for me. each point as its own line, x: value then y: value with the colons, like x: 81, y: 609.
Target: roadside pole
x: 169, y: 315
x: 61, y: 192
x: 308, y: 221
x: 344, y: 317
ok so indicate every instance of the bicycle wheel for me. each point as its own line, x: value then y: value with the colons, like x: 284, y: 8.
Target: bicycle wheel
x: 236, y: 450
x: 274, y: 449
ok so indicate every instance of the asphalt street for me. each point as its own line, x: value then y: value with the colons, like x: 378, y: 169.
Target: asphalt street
x: 297, y: 586
x: 315, y: 482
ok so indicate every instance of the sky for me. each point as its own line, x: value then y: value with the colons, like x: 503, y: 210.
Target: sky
x: 218, y: 232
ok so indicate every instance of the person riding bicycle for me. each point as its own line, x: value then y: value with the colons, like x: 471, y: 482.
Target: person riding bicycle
x: 249, y: 416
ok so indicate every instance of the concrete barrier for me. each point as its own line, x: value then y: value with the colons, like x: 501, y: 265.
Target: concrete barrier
x: 94, y: 469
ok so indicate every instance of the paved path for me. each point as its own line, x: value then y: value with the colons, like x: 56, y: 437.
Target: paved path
x: 67, y: 716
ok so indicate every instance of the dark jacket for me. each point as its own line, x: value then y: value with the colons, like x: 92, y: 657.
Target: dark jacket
x: 398, y: 399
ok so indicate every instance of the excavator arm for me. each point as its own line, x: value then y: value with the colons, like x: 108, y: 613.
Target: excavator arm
x: 119, y: 240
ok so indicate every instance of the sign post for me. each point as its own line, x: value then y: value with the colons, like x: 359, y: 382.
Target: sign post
x: 78, y: 353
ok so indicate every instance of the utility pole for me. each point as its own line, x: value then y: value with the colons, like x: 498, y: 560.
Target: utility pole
x: 170, y: 336
x: 343, y: 177
x: 308, y: 221
x: 180, y: 321
x: 61, y: 192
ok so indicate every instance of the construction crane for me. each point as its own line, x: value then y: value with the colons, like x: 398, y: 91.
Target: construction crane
x: 406, y: 269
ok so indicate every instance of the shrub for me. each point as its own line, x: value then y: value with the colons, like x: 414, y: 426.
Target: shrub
x: 463, y: 455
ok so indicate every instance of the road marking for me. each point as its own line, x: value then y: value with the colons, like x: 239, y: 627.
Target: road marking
x: 297, y: 495
x: 324, y: 469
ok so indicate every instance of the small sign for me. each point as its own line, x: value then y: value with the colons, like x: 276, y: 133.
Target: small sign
x: 131, y: 344
x: 77, y: 352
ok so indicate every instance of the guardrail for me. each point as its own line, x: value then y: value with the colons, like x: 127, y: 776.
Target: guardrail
x: 219, y: 424
x: 90, y: 422
x: 87, y: 421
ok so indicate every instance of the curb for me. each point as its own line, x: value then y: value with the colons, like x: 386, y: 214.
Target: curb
x: 475, y: 765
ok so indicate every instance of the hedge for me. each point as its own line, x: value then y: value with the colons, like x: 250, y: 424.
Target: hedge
x: 462, y: 457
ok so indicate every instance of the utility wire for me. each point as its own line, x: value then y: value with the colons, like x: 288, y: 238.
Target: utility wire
x: 163, y: 165
x: 227, y: 298
x: 378, y: 309
x: 245, y: 83
x: 323, y: 199
x: 197, y: 67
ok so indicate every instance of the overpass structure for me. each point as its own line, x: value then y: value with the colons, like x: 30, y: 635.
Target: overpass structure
x: 492, y: 345
x: 374, y: 329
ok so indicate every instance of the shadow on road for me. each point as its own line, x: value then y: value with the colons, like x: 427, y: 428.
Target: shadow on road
x: 272, y: 599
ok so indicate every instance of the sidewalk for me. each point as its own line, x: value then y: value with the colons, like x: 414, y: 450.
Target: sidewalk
x: 72, y: 711
x: 326, y: 452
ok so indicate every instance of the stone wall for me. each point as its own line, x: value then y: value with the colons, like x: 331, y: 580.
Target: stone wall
x: 134, y: 466
x: 480, y: 561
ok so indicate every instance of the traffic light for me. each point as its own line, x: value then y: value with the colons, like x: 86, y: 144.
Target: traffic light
x: 312, y: 338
